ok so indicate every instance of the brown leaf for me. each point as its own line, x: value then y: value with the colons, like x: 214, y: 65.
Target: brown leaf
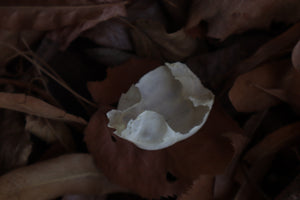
x: 33, y: 106
x: 83, y: 197
x: 274, y: 142
x: 151, y: 40
x: 50, y: 131
x: 67, y: 17
x: 112, y: 33
x: 296, y: 56
x: 246, y: 97
x: 15, y: 144
x: 163, y: 172
x: 74, y: 173
x: 230, y: 17
x: 119, y: 79
x: 50, y: 15
x: 202, y: 189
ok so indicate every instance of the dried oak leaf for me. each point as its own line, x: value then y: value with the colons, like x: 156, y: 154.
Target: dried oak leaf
x: 296, y: 56
x: 151, y: 40
x: 67, y: 17
x: 162, y: 172
x: 34, y: 106
x: 119, y: 79
x: 229, y: 17
x: 73, y: 173
x: 246, y: 94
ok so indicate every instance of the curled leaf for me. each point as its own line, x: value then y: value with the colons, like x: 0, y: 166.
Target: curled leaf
x: 245, y: 94
x: 230, y: 17
x: 151, y: 40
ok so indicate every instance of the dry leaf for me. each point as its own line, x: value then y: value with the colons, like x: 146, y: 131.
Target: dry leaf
x: 69, y: 174
x: 274, y: 142
x: 296, y: 56
x: 169, y: 171
x: 112, y: 33
x: 33, y: 106
x: 15, y: 144
x: 69, y: 18
x: 119, y: 79
x: 230, y: 17
x: 202, y: 189
x: 151, y: 40
x: 50, y: 131
x: 246, y: 97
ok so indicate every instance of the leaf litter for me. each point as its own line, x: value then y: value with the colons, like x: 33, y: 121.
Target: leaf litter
x: 245, y: 52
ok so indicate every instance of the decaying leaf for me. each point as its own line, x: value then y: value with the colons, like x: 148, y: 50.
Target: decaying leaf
x: 247, y: 97
x: 202, y: 189
x: 15, y: 144
x: 69, y: 18
x: 119, y: 79
x: 169, y: 171
x: 68, y: 174
x: 274, y: 142
x: 34, y: 106
x: 230, y: 17
x: 296, y: 56
x: 50, y: 131
x: 111, y: 33
x: 151, y: 40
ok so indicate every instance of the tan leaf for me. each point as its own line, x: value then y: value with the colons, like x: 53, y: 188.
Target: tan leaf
x: 152, y: 40
x: 34, y: 106
x: 202, y: 189
x: 246, y: 97
x: 50, y: 131
x: 274, y: 142
x: 230, y: 17
x: 296, y: 56
x: 69, y: 174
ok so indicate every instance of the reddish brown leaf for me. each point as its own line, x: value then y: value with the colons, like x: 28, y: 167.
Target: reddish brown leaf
x: 274, y: 142
x: 202, y: 189
x: 75, y: 173
x: 229, y: 17
x: 164, y: 172
x: 119, y: 79
x: 296, y: 56
x: 151, y: 40
x: 246, y: 97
